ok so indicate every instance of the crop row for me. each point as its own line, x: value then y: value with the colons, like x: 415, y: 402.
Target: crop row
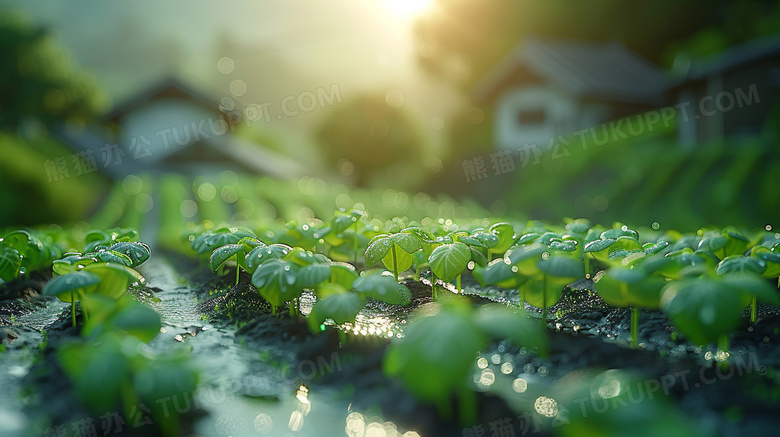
x: 702, y: 281
x: 107, y: 363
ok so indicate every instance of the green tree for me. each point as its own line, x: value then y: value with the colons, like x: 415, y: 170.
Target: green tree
x: 36, y: 78
x: 366, y: 139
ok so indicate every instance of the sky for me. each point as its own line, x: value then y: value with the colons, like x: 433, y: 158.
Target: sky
x: 279, y: 48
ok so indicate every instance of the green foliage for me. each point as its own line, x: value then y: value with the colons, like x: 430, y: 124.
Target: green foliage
x: 623, y: 287
x: 103, y: 271
x: 432, y: 361
x: 650, y: 417
x: 703, y: 309
x: 394, y: 250
x: 382, y: 287
x: 37, y: 80
x: 448, y: 261
x: 436, y: 354
x: 123, y: 315
x: 262, y: 254
x: 371, y: 139
x: 109, y: 369
x: 22, y: 252
x: 275, y: 280
x: 341, y: 307
x: 63, y: 287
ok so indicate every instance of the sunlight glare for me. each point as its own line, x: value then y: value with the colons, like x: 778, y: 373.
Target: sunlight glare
x: 408, y: 8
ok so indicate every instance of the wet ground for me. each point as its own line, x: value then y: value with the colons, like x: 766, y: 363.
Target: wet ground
x: 268, y: 375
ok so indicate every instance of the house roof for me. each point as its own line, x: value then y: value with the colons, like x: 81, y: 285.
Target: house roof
x: 167, y: 87
x: 245, y: 153
x: 739, y: 56
x: 604, y: 71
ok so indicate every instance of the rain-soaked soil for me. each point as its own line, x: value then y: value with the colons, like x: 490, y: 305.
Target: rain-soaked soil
x: 266, y: 374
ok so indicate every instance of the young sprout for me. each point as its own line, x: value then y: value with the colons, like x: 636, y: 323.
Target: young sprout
x: 381, y: 286
x: 67, y: 287
x: 743, y: 264
x: 275, y: 281
x: 228, y: 252
x: 394, y: 250
x: 705, y: 309
x: 633, y: 288
x: 10, y: 263
x: 341, y: 307
x: 448, y: 261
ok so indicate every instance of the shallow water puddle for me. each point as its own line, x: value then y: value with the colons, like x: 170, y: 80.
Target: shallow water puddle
x: 242, y: 395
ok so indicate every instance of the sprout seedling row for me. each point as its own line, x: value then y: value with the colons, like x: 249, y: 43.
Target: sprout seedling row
x: 702, y: 281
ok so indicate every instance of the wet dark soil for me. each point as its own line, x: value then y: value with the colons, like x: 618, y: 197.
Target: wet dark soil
x: 277, y: 361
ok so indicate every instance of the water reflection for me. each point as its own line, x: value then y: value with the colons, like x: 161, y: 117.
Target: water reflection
x: 359, y: 425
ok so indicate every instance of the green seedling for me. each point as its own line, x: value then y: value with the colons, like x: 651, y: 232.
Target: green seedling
x: 725, y: 243
x: 393, y: 250
x: 381, y: 286
x: 262, y: 254
x: 633, y: 288
x: 743, y: 264
x: 707, y: 308
x: 437, y: 354
x: 229, y: 252
x: 66, y: 288
x: 448, y: 262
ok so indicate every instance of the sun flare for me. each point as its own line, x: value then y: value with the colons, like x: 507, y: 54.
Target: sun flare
x: 408, y: 8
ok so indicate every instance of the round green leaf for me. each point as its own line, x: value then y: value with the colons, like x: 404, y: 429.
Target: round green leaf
x: 741, y: 264
x: 561, y: 269
x: 275, y: 280
x: 222, y: 254
x: 136, y: 251
x: 312, y: 275
x: 138, y: 320
x: 97, y: 371
x: 10, y: 261
x: 250, y: 243
x: 435, y: 356
x: 703, y: 308
x: 383, y: 287
x: 341, y: 308
x: 343, y: 274
x: 262, y: 254
x: 63, y: 286
x: 500, y: 322
x: 341, y: 222
x: 478, y: 257
x: 619, y: 232
x: 449, y: 260
x: 377, y: 249
x: 753, y: 285
x: 651, y: 249
x: 527, y: 238
x: 535, y: 294
x: 498, y: 273
x: 771, y: 259
x: 403, y: 260
x: 112, y: 257
x: 505, y: 235
x: 114, y: 278
x: 525, y: 258
x: 409, y: 243
x: 623, y: 287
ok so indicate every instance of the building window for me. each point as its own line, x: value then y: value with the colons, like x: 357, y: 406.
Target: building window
x: 533, y: 116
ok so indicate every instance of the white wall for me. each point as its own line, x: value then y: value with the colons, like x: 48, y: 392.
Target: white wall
x: 564, y: 115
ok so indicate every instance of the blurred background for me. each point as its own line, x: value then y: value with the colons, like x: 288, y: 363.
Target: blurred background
x: 157, y: 114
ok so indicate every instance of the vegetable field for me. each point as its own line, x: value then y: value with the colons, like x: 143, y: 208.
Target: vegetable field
x: 351, y: 322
